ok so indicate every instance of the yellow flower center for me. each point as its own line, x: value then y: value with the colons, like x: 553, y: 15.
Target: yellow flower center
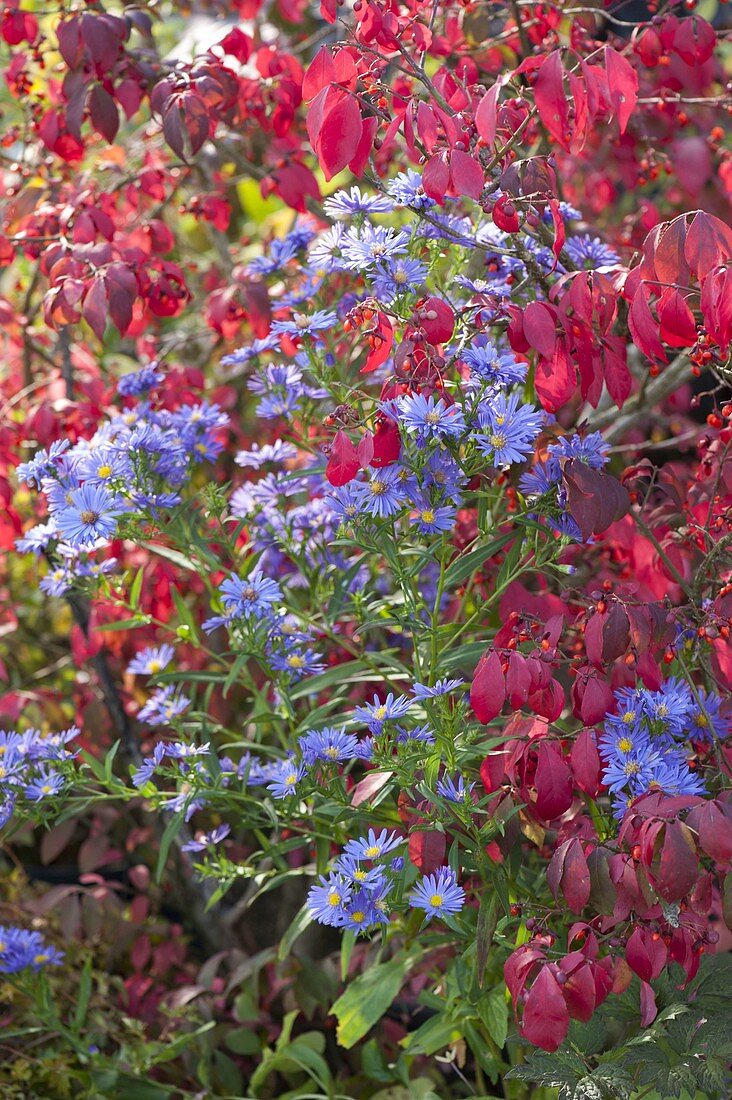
x: 41, y: 958
x: 295, y: 661
x: 498, y: 440
x: 291, y: 779
x: 332, y: 752
x: 373, y: 852
x: 46, y: 789
x: 629, y: 717
x: 155, y: 666
x: 104, y: 471
x: 433, y: 416
x: 3, y: 773
x: 400, y: 277
x: 632, y: 767
x: 359, y: 875
x: 428, y: 516
x: 436, y: 900
x: 334, y: 898
x: 625, y: 744
x: 89, y: 516
x: 377, y: 487
x: 358, y: 917
x: 380, y: 714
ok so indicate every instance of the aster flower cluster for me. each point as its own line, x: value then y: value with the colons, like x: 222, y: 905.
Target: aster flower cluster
x: 545, y: 477
x: 364, y: 883
x: 647, y: 743
x: 33, y: 768
x: 134, y: 465
x: 21, y: 949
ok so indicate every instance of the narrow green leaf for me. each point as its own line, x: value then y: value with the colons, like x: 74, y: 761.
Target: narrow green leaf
x: 85, y: 988
x: 171, y: 831
x: 466, y: 564
x: 136, y: 588
x: 367, y: 999
x: 301, y: 921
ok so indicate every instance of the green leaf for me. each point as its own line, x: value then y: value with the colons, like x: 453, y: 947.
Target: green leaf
x: 466, y: 564
x: 136, y: 588
x: 297, y: 927
x: 185, y: 614
x: 493, y: 1011
x: 171, y: 831
x: 367, y: 999
x: 85, y: 988
x: 433, y: 1035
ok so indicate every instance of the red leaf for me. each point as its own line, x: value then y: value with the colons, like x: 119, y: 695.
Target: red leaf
x: 340, y: 134
x: 546, y: 1017
x: 553, y: 782
x: 427, y: 850
x: 622, y: 80
x: 343, y: 463
x: 466, y: 174
x: 643, y: 327
x: 365, y: 146
x: 645, y: 955
x: 678, y: 867
x: 382, y: 337
x: 585, y: 763
x: 488, y: 689
x: 576, y: 877
x: 387, y: 443
x: 540, y: 328
x: 94, y: 310
x: 486, y: 115
x: 321, y: 73
x: 648, y: 1010
x: 550, y: 98
x: 436, y: 178
x: 678, y: 327
x: 365, y: 450
x: 103, y: 113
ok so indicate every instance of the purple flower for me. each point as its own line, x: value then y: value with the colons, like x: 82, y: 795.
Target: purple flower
x: 430, y: 418
x: 92, y: 514
x: 454, y: 790
x: 382, y: 495
x: 152, y: 660
x: 431, y: 520
x: 257, y: 456
x: 438, y: 894
x: 375, y: 714
x: 343, y: 204
x: 46, y: 783
x: 371, y: 244
x: 206, y: 840
x: 589, y: 253
x: 511, y: 429
x: 140, y: 381
x: 373, y: 846
x: 441, y: 687
x: 327, y: 899
x: 163, y: 706
x: 303, y: 324
x: 329, y: 745
x: 406, y: 189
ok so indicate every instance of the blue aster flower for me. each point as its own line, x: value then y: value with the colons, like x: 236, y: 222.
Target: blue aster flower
x: 423, y: 733
x: 362, y: 878
x: 256, y: 456
x: 303, y: 324
x: 298, y: 663
x: 151, y: 660
x: 590, y: 449
x: 280, y: 253
x: 430, y: 417
x: 92, y: 514
x: 441, y: 687
x: 454, y: 790
x: 150, y: 765
x: 326, y: 255
x: 344, y: 503
x: 382, y: 495
x: 43, y: 464
x: 25, y: 950
x: 360, y: 913
x: 632, y: 771
x: 438, y: 894
x: 510, y: 429
x: 363, y: 248
x: 490, y: 364
x: 140, y: 381
x: 244, y: 355
x: 398, y: 276
x: 705, y: 718
x: 674, y: 776
x: 36, y: 539
x: 326, y: 899
x: 206, y: 840
x: 406, y: 189
x: 442, y: 472
x: 430, y: 519
x: 44, y: 784
x: 288, y: 775
x: 250, y: 597
x: 163, y: 706
x: 343, y: 204
x: 331, y: 745
x: 589, y: 253
x: 375, y: 714
x: 373, y: 846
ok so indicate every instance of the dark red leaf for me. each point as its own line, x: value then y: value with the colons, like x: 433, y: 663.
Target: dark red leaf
x: 343, y: 463
x: 488, y: 689
x: 546, y: 1017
